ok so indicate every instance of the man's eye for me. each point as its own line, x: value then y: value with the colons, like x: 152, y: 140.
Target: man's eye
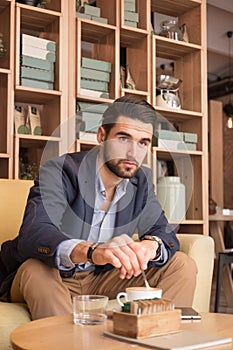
x: 143, y: 144
x: 123, y: 139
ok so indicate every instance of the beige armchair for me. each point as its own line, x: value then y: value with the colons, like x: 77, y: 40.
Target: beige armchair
x: 13, y: 199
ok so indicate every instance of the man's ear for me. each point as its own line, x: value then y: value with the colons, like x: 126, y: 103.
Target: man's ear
x: 101, y: 135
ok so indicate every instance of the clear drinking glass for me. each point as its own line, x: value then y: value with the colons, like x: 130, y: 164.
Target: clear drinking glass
x: 89, y: 309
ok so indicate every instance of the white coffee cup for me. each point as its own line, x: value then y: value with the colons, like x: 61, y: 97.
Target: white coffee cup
x: 136, y: 293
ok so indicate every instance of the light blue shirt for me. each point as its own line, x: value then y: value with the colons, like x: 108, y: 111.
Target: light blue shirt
x: 102, y: 227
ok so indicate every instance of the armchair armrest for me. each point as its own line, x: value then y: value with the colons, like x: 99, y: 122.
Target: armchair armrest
x: 201, y: 249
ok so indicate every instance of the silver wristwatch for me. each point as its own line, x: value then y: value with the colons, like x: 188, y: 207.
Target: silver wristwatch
x: 158, y: 240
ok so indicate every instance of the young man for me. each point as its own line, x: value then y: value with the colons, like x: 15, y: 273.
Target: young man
x: 81, y: 214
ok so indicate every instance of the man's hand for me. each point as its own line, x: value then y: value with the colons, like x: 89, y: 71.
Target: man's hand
x: 125, y: 254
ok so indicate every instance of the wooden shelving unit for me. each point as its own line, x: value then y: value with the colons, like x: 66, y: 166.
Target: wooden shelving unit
x: 48, y: 23
x: 189, y: 58
x: 141, y: 49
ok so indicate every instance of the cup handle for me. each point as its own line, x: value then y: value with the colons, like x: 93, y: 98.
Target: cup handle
x: 119, y: 296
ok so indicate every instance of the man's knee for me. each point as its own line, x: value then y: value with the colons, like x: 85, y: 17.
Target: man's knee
x: 34, y: 271
x: 185, y: 264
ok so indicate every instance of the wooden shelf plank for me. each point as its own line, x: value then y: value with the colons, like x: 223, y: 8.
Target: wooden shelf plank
x: 174, y: 8
x: 173, y: 49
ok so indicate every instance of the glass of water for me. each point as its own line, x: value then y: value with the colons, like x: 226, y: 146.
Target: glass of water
x: 89, y: 309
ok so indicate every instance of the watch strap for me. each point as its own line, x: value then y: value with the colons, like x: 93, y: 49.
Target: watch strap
x: 90, y: 251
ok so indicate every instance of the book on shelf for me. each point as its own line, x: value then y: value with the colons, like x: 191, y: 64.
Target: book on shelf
x: 92, y: 107
x: 38, y: 53
x: 92, y: 63
x: 36, y: 84
x: 93, y: 74
x: 94, y: 85
x: 27, y: 61
x: 34, y: 41
x: 87, y: 136
x: 93, y: 93
x: 37, y: 74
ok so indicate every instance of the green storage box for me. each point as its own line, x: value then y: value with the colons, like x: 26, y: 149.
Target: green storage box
x: 96, y: 64
x: 93, y: 74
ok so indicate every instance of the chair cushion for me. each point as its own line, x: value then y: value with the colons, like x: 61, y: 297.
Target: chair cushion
x: 12, y: 315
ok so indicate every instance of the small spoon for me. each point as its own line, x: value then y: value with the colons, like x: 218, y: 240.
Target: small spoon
x: 145, y: 280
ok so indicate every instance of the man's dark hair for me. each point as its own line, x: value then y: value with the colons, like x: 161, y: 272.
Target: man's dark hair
x: 129, y: 106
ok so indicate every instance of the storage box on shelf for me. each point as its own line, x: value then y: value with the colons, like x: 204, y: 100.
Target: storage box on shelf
x: 40, y: 48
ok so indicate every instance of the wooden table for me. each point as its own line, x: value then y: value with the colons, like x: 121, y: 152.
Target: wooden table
x: 60, y: 333
x: 216, y: 231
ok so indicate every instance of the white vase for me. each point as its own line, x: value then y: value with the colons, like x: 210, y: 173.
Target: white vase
x: 171, y: 196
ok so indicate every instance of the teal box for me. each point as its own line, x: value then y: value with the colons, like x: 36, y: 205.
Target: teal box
x: 169, y: 135
x: 37, y: 74
x: 96, y: 64
x: 94, y: 85
x: 130, y: 6
x: 37, y: 84
x: 93, y: 74
x: 38, y: 63
x: 131, y: 24
x: 83, y: 15
x: 100, y: 19
x: 93, y: 107
x: 131, y: 16
x: 190, y: 137
x: 186, y: 146
x: 91, y: 10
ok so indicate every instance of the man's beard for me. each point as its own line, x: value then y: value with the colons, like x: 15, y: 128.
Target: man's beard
x: 126, y: 173
x: 114, y: 166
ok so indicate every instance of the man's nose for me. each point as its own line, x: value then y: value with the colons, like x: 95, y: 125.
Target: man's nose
x: 132, y: 149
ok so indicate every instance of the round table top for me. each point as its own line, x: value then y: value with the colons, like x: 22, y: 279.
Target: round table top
x: 59, y: 332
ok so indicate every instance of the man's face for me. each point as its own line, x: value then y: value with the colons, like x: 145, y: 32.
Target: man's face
x: 126, y: 145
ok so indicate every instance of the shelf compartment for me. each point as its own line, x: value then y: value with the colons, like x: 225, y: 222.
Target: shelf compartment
x: 49, y: 113
x: 186, y: 11
x: 34, y: 151
x: 187, y: 125
x: 5, y: 29
x: 187, y: 62
x: 131, y: 50
x: 143, y: 11
x: 39, y: 23
x: 98, y: 41
x: 188, y: 166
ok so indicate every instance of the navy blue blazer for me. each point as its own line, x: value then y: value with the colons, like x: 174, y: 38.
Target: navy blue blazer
x: 60, y: 207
